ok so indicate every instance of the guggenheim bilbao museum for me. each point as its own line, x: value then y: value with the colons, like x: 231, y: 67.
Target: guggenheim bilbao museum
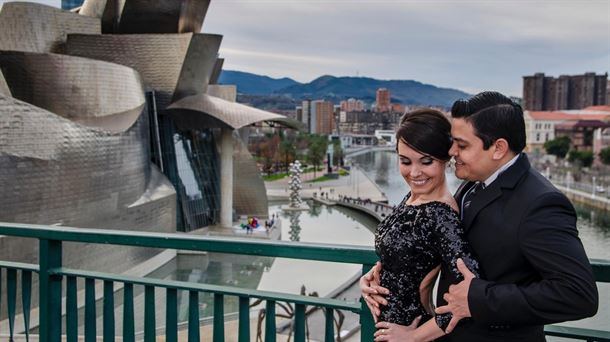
x: 111, y: 117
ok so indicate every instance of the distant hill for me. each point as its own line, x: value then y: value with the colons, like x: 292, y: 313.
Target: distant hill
x: 253, y: 84
x: 403, y: 91
x: 340, y: 88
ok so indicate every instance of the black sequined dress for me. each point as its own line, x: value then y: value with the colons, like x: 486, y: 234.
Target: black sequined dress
x: 410, y: 242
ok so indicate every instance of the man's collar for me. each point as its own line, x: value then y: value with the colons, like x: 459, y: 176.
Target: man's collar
x: 503, y: 168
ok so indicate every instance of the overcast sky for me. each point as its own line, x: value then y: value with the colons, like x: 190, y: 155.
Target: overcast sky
x: 469, y: 45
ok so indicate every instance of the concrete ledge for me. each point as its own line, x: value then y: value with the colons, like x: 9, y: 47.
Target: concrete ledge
x: 586, y: 198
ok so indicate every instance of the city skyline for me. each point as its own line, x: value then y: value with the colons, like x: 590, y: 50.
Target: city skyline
x: 467, y: 45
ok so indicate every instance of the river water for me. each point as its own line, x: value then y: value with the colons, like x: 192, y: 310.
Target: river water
x: 593, y: 224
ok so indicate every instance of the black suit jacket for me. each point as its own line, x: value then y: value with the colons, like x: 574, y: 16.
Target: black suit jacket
x: 533, y: 267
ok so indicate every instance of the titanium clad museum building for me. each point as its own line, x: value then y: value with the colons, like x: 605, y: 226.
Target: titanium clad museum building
x: 110, y: 117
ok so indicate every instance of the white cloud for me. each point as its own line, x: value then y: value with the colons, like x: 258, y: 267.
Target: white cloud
x: 296, y: 58
x: 466, y: 44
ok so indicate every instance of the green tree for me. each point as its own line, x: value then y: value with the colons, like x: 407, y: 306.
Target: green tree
x: 288, y: 152
x: 585, y: 158
x: 558, y: 147
x: 317, y: 151
x: 268, y: 151
x: 337, y: 152
x: 604, y: 155
x: 573, y: 156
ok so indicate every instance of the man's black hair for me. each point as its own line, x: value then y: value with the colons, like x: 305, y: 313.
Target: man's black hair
x: 493, y: 116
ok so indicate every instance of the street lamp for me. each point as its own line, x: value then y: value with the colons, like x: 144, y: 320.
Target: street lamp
x: 593, y: 190
x: 356, y: 172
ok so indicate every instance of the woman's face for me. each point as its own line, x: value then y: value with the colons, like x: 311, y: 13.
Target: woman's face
x: 423, y: 173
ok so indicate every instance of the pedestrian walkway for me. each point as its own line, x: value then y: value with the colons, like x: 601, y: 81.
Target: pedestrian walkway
x: 378, y: 210
x: 356, y: 191
x: 355, y: 185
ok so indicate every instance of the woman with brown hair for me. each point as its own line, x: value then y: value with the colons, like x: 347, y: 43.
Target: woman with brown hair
x: 421, y: 234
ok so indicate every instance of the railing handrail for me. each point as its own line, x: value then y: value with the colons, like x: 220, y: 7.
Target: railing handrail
x: 218, y: 289
x: 282, y: 249
x: 601, y: 270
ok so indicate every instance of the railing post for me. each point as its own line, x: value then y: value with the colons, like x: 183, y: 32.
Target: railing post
x: 50, y: 291
x: 299, y: 323
x: 367, y: 324
x: 329, y: 331
x: 219, y: 318
x: 244, y: 320
x: 270, y: 328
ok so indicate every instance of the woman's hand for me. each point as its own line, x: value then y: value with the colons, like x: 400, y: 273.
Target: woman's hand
x: 396, y: 333
x: 372, y: 293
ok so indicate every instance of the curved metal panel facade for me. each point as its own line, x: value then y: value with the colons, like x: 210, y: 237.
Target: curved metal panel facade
x: 56, y: 170
x: 93, y: 93
x: 3, y: 86
x: 217, y: 70
x: 143, y: 16
x: 174, y: 65
x: 164, y: 16
x: 40, y: 28
x: 95, y: 8
x: 199, y: 109
x: 157, y: 57
x: 198, y: 65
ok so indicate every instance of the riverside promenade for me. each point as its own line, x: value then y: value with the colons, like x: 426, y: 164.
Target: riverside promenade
x: 355, y: 185
x: 592, y: 199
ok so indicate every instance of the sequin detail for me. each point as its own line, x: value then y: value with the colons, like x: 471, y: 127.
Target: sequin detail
x: 410, y: 242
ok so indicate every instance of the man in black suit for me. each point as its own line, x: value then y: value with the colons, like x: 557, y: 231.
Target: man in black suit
x: 533, y: 267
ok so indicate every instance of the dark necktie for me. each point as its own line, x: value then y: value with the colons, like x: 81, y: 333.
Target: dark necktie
x: 469, y: 196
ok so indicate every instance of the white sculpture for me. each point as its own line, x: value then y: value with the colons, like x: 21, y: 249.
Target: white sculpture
x: 295, y: 186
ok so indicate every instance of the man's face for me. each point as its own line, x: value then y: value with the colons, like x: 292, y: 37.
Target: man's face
x: 472, y: 162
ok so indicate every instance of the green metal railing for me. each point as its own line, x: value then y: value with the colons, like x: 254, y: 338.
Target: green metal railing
x: 53, y: 277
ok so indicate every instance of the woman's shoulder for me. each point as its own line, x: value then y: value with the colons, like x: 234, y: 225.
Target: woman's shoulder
x: 441, y: 208
x: 445, y: 207
x: 450, y: 203
x: 446, y: 204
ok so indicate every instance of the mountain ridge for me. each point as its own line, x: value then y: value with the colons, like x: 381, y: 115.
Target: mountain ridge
x: 337, y: 88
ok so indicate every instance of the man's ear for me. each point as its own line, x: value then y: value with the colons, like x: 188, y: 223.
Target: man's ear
x: 501, y: 148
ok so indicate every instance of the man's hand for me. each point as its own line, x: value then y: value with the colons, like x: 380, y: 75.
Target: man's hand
x: 396, y: 333
x: 457, y: 298
x: 372, y: 293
